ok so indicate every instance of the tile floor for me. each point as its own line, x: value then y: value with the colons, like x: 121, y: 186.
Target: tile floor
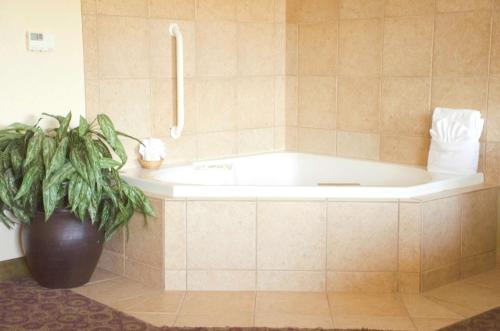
x: 429, y: 311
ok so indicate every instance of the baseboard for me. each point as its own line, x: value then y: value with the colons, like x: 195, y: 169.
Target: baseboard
x: 13, y: 268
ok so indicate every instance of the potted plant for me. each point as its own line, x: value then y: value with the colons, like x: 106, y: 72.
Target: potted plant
x: 63, y: 186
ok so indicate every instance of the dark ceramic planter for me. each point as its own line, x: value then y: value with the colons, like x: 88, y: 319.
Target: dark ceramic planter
x: 62, y: 252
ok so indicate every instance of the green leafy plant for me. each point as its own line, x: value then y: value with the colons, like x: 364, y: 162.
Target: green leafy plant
x: 74, y: 168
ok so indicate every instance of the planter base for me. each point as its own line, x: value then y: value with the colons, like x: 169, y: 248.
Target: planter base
x: 62, y: 252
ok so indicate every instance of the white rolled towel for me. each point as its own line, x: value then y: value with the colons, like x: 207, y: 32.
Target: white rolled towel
x: 455, y: 141
x: 152, y: 149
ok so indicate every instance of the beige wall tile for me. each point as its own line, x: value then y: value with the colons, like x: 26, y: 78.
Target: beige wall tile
x: 292, y: 47
x: 318, y: 49
x: 256, y: 104
x: 280, y: 49
x: 113, y: 262
x: 479, y: 222
x: 216, y: 144
x: 316, y: 141
x: 113, y: 94
x: 358, y: 145
x: 440, y: 277
x: 145, y: 242
x: 256, y: 48
x: 409, y: 282
x: 89, y: 7
x: 164, y: 106
x: 216, y: 48
x: 117, y: 59
x: 221, y: 235
x: 292, y: 139
x: 401, y: 149
x: 362, y: 236
x: 221, y: 280
x: 255, y: 141
x: 291, y: 101
x: 405, y: 106
x: 359, y: 104
x: 361, y: 8
x: 492, y: 163
x: 311, y: 11
x: 408, y: 46
x: 162, y: 45
x: 123, y: 7
x: 91, y: 98
x: 441, y: 233
x: 301, y: 227
x: 280, y: 95
x: 461, y: 44
x: 90, y: 53
x: 361, y: 282
x: 216, y: 104
x: 410, y: 229
x: 174, y: 9
x: 409, y: 7
x: 175, y: 235
x: 117, y: 243
x: 460, y: 92
x: 310, y: 281
x: 493, y: 119
x: 495, y: 43
x: 279, y: 139
x: 473, y: 265
x: 151, y: 276
x: 462, y: 5
x: 181, y: 150
x: 216, y: 10
x: 175, y: 280
x: 317, y: 102
x: 496, y: 4
x: 360, y: 45
x: 256, y: 10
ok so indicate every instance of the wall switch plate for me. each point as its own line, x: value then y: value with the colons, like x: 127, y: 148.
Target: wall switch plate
x: 40, y: 41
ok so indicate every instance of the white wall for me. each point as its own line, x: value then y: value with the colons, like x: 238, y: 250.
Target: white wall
x: 32, y: 83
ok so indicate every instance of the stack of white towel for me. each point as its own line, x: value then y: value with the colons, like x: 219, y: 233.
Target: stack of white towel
x: 455, y: 141
x: 152, y: 149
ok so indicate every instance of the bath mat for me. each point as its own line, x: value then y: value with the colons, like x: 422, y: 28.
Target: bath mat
x: 26, y: 306
x: 488, y: 321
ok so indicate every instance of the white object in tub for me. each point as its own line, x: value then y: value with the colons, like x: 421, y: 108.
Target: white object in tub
x: 176, y: 131
x: 295, y: 175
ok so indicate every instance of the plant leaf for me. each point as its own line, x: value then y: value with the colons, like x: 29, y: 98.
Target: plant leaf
x: 30, y: 177
x: 83, y: 127
x: 49, y: 149
x: 59, y: 157
x: 34, y: 148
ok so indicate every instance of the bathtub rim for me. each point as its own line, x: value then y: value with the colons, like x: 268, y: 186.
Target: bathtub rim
x: 141, y: 178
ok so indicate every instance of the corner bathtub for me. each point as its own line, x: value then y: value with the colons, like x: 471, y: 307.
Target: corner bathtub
x: 302, y: 222
x: 295, y: 175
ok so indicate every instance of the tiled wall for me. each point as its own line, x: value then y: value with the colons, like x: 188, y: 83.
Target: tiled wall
x: 355, y: 78
x: 234, y: 66
x: 364, y: 75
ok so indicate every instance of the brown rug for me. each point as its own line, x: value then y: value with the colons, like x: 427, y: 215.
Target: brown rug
x: 488, y: 321
x: 26, y: 306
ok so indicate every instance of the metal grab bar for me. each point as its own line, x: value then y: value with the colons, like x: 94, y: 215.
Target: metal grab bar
x: 175, y: 31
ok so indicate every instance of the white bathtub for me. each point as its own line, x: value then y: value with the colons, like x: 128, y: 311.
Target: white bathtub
x: 295, y: 175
